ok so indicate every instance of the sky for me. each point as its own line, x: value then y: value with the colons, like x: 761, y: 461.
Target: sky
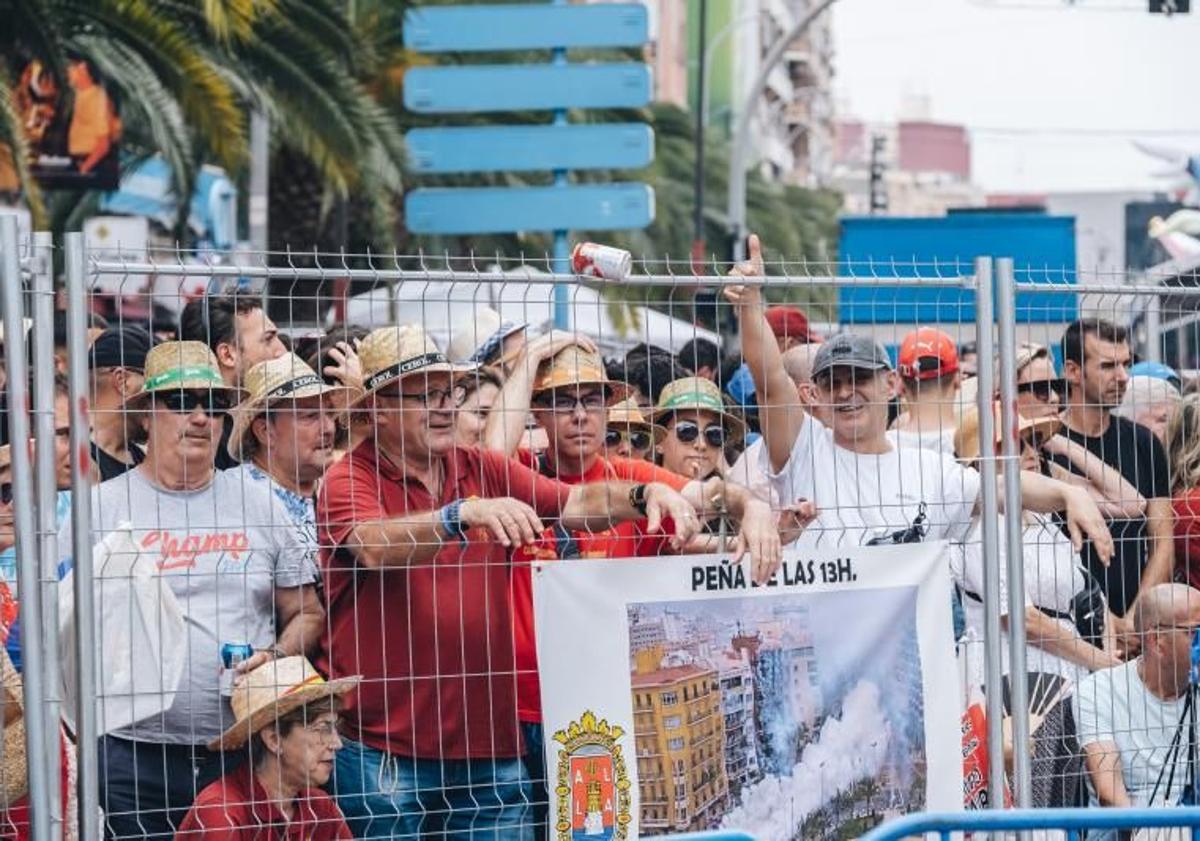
x: 1099, y: 68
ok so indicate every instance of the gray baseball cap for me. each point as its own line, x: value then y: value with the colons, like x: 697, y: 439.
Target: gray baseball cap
x: 851, y: 350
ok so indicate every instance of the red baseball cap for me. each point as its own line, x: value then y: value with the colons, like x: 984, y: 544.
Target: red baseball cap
x: 926, y: 353
x: 791, y: 322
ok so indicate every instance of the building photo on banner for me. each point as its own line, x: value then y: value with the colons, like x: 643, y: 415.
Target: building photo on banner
x: 678, y: 696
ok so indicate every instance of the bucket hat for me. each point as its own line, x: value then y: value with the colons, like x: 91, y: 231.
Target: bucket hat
x: 696, y: 393
x: 288, y: 377
x: 625, y: 413
x: 573, y: 366
x: 272, y: 690
x: 390, y: 354
x: 172, y: 366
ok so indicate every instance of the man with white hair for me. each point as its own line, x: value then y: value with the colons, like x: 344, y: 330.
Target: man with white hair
x: 1149, y: 401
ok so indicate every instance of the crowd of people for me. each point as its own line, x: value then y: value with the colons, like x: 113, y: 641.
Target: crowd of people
x: 358, y: 515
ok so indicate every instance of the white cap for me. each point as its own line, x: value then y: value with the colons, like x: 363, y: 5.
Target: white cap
x: 486, y: 332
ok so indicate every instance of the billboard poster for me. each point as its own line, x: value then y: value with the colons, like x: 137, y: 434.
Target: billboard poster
x: 72, y: 126
x: 680, y: 697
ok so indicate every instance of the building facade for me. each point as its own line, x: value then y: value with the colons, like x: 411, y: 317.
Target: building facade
x: 737, y: 706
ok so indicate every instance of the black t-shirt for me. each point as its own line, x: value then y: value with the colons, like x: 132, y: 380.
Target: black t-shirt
x: 224, y: 460
x: 1142, y: 460
x: 111, y: 467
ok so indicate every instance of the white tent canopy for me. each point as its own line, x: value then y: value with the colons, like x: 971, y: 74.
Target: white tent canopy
x: 444, y: 306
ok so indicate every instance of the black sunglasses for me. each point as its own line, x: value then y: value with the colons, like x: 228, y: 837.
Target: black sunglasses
x: 1041, y: 389
x: 687, y: 432
x: 211, y: 403
x: 6, y: 493
x: 638, y: 439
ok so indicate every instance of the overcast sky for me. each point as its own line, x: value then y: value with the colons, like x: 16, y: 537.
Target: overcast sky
x: 998, y: 64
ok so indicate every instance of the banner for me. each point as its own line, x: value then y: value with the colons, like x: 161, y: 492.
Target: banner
x: 679, y: 697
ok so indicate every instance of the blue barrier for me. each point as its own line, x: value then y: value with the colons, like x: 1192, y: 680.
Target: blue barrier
x: 1072, y: 821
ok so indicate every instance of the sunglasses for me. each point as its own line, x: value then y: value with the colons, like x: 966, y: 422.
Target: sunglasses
x: 6, y: 493
x: 1042, y: 389
x: 213, y: 404
x: 638, y: 439
x: 687, y: 432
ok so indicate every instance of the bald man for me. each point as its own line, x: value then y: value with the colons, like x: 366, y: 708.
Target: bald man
x: 1127, y: 715
x: 750, y: 468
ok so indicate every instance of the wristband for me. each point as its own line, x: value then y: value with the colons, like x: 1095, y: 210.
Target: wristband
x: 637, y: 499
x: 452, y: 519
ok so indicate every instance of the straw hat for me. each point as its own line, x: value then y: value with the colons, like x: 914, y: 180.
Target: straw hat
x: 966, y: 437
x: 289, y: 377
x: 574, y: 366
x: 691, y: 393
x: 390, y: 354
x: 481, y: 338
x: 274, y: 689
x: 626, y: 413
x: 14, y: 765
x: 172, y: 366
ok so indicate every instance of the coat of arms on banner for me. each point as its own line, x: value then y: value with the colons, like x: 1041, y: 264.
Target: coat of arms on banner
x: 593, y: 787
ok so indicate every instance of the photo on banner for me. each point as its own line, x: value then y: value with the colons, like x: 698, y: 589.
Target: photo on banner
x: 679, y: 697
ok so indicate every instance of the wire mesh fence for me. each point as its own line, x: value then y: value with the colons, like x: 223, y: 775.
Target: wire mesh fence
x: 280, y: 550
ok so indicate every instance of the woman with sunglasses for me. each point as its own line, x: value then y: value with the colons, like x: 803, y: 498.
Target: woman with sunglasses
x: 629, y: 434
x: 1040, y: 394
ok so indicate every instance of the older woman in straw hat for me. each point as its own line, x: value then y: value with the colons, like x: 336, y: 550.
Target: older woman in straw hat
x: 286, y: 719
x: 240, y: 571
x: 418, y: 535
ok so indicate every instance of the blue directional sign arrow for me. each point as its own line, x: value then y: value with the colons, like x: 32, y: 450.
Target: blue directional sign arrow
x: 435, y: 29
x: 526, y: 148
x: 479, y: 210
x: 525, y: 87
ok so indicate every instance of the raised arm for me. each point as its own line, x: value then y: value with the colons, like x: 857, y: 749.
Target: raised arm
x: 506, y: 422
x: 781, y: 412
x: 1112, y: 492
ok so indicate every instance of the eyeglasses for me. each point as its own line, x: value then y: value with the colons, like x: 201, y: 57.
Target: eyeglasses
x: 638, y: 439
x: 687, y: 432
x: 566, y: 404
x: 1188, y: 629
x: 1042, y: 389
x: 436, y: 397
x: 6, y: 493
x: 213, y: 404
x: 327, y: 729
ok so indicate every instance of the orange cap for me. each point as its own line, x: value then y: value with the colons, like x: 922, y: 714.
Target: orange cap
x: 926, y: 353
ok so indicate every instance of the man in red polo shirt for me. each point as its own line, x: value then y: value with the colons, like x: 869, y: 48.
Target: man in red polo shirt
x: 417, y: 535
x: 569, y: 394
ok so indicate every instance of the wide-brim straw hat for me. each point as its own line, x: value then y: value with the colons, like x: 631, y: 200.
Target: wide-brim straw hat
x: 173, y: 366
x: 628, y: 414
x: 966, y: 437
x: 14, y: 765
x: 286, y: 378
x: 696, y: 394
x: 390, y: 354
x: 576, y: 366
x: 272, y: 690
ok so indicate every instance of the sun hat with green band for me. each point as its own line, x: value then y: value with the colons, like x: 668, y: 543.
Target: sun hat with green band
x: 692, y: 394
x: 176, y: 366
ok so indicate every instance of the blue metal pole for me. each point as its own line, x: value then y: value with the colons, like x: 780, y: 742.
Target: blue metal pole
x: 562, y: 301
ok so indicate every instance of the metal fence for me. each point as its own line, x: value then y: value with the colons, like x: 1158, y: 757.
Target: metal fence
x: 310, y: 295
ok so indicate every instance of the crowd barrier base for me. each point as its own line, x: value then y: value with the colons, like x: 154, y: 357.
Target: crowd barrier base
x: 1073, y: 822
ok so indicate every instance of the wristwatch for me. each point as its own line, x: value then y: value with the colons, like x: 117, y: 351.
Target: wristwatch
x: 452, y: 519
x: 637, y: 498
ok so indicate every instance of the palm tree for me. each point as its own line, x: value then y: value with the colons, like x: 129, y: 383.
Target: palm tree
x: 187, y: 71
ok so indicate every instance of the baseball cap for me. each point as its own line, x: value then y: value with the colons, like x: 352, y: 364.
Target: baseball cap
x: 121, y: 347
x: 851, y: 350
x: 790, y: 322
x: 926, y: 353
x: 1158, y: 371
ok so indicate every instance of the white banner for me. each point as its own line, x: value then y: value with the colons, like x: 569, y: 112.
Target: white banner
x: 678, y: 697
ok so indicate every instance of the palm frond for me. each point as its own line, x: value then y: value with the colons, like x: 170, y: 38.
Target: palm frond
x: 15, y: 146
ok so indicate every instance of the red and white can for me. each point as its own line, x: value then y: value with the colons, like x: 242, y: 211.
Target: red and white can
x: 602, y: 261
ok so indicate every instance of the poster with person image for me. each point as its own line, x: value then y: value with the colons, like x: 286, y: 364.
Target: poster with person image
x: 678, y: 696
x: 71, y: 125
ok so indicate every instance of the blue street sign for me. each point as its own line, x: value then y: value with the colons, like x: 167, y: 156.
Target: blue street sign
x: 524, y: 87
x: 480, y: 210
x: 526, y: 148
x: 437, y: 29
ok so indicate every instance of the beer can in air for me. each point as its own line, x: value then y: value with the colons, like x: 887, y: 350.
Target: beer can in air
x: 602, y: 261
x: 232, y: 653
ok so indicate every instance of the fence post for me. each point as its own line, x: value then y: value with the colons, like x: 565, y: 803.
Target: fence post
x: 990, y: 538
x: 87, y: 738
x: 46, y: 481
x: 1006, y: 311
x: 12, y: 292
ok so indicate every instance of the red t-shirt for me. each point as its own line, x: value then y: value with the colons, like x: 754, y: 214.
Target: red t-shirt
x: 1186, y: 507
x: 623, y: 540
x: 433, y: 642
x: 236, y: 808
